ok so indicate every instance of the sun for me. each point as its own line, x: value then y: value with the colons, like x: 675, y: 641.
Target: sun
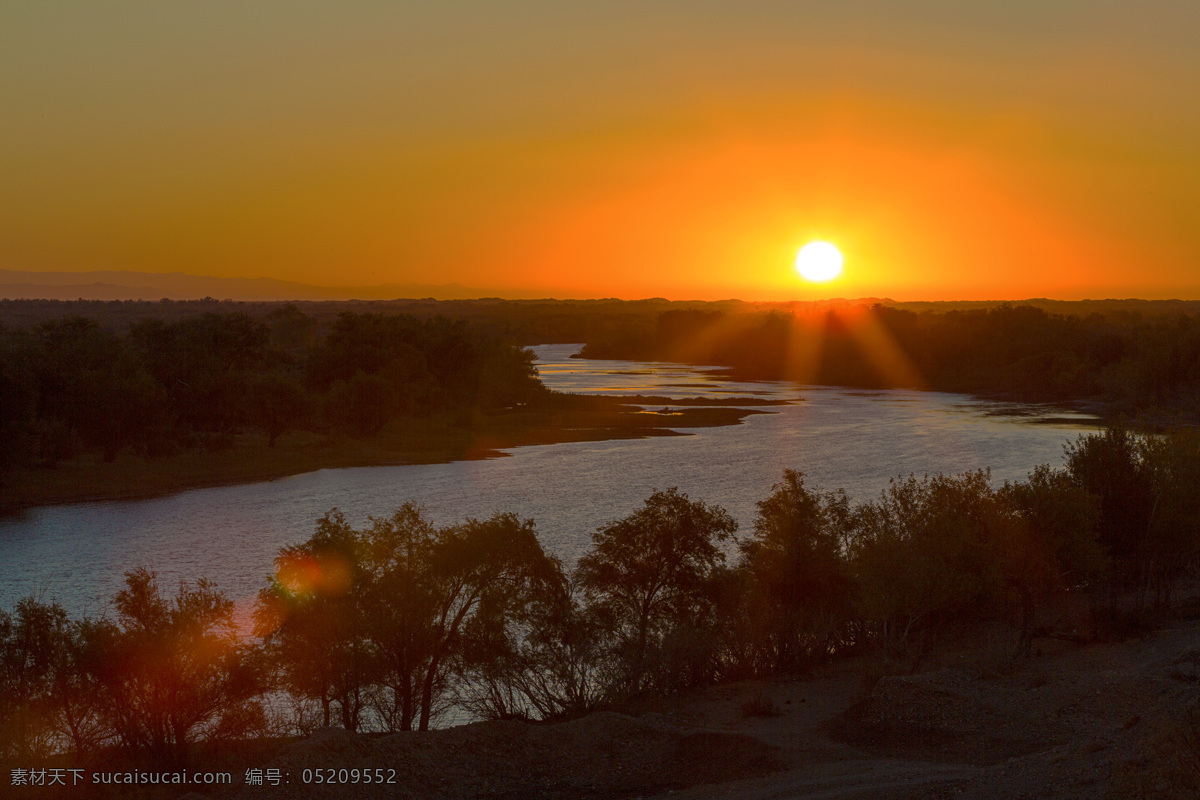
x: 819, y: 262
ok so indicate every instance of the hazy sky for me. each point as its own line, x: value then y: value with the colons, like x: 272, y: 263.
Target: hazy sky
x: 951, y: 149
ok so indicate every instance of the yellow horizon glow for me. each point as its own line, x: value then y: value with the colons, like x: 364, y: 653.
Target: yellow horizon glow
x: 970, y: 151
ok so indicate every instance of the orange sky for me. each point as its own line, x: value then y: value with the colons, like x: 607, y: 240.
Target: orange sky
x: 678, y: 149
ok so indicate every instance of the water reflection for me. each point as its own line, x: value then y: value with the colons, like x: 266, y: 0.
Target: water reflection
x: 838, y: 437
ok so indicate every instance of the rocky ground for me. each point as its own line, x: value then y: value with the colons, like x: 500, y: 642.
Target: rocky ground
x: 1102, y: 721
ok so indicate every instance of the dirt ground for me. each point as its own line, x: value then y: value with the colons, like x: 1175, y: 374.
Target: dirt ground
x: 1102, y: 721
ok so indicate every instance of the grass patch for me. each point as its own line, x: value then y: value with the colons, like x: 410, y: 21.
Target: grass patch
x: 246, y: 458
x: 761, y: 705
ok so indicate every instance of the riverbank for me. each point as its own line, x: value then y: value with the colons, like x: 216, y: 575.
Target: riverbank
x: 1085, y: 722
x: 1097, y: 721
x: 246, y: 458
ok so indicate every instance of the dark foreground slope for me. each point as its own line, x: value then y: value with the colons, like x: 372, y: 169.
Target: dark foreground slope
x: 602, y: 755
x: 1103, y: 721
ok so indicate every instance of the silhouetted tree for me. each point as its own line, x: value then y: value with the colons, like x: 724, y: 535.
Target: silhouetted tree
x: 313, y: 618
x: 400, y: 609
x: 172, y: 671
x: 1171, y: 463
x: 507, y: 377
x: 362, y: 405
x: 482, y: 574
x: 395, y: 606
x: 557, y: 665
x: 926, y: 552
x: 31, y: 650
x: 801, y: 588
x: 1055, y: 546
x: 1109, y: 465
x: 653, y: 571
x: 278, y: 404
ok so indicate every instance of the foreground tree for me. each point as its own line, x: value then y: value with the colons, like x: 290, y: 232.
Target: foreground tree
x: 1172, y: 466
x: 386, y: 615
x: 1110, y: 466
x: 172, y: 671
x: 1054, y: 546
x: 400, y: 610
x: 312, y: 617
x: 52, y: 699
x: 483, y: 576
x: 799, y: 584
x: 33, y: 644
x: 653, y: 573
x: 553, y: 661
x: 925, y: 554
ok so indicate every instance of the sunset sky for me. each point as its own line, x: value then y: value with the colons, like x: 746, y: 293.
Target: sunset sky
x: 683, y: 149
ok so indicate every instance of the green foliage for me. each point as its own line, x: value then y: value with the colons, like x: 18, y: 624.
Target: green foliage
x: 204, y: 366
x: 89, y: 389
x: 1171, y: 463
x: 278, y: 403
x: 1109, y: 466
x: 362, y: 405
x: 70, y: 386
x: 560, y: 668
x: 653, y: 572
x: 172, y: 671
x: 387, y: 615
x: 799, y: 576
x: 1145, y: 364
x: 926, y: 552
x: 387, y: 626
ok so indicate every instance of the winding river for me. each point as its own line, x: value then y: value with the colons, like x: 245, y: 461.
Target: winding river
x: 857, y: 440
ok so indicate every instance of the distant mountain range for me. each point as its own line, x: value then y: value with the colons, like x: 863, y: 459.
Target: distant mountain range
x: 128, y: 285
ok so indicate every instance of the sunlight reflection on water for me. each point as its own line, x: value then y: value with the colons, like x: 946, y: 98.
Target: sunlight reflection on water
x: 838, y: 437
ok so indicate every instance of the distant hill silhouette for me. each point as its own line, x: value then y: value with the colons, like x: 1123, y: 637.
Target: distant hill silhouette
x: 129, y: 285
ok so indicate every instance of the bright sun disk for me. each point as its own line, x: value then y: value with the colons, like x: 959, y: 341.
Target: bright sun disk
x: 819, y: 262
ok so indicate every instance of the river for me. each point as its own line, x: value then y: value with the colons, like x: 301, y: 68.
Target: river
x: 856, y: 440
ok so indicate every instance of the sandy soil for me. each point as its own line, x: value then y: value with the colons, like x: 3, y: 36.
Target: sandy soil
x: 1102, y: 721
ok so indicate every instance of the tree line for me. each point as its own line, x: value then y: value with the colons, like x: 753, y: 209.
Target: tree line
x: 1133, y: 361
x: 388, y: 626
x: 70, y: 386
x: 163, y: 378
x: 565, y: 321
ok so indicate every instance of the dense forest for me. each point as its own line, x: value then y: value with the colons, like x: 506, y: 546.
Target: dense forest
x: 597, y: 322
x: 198, y: 393
x: 390, y: 626
x: 1140, y: 358
x: 1130, y: 362
x: 163, y: 386
x: 522, y: 321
